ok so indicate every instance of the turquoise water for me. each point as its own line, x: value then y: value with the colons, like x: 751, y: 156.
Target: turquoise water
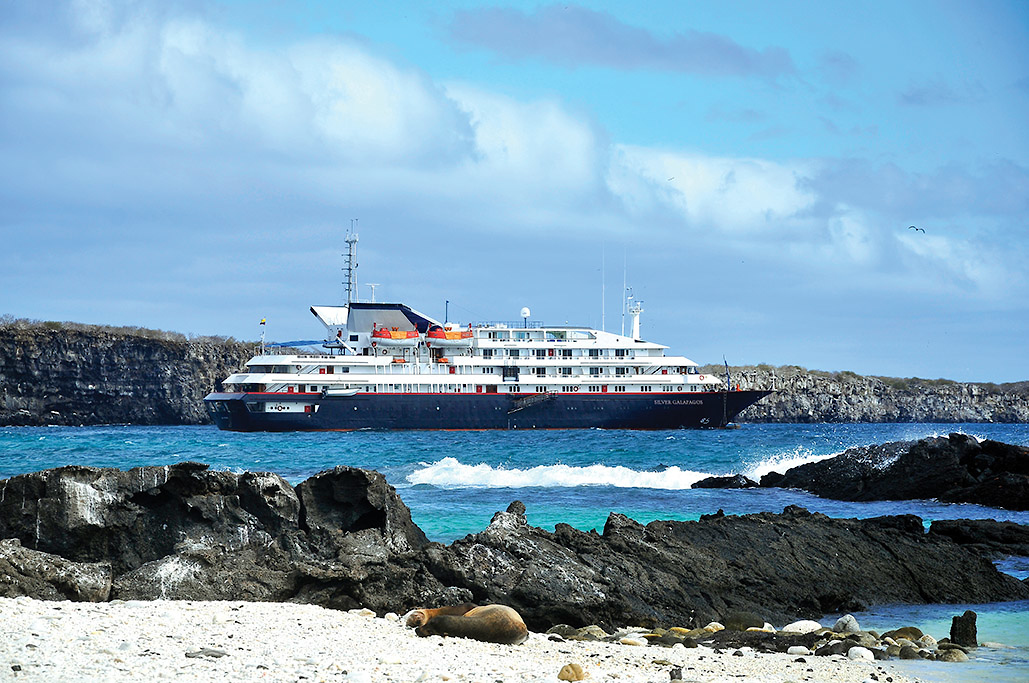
x: 575, y: 476
x: 1003, y: 626
x: 454, y: 482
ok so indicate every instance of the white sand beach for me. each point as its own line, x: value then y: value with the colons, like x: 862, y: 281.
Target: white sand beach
x: 239, y: 641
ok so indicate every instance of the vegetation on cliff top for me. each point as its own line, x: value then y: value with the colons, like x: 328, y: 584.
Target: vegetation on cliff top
x: 9, y: 322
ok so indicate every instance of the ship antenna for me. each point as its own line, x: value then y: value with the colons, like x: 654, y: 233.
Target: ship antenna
x: 624, y: 291
x: 350, y: 264
x: 603, y: 289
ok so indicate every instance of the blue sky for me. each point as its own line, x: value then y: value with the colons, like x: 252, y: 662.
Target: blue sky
x: 754, y: 166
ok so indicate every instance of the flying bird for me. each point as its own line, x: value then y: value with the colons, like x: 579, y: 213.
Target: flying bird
x: 911, y: 227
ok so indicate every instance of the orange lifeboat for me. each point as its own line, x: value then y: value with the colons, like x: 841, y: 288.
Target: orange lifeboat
x: 448, y: 337
x: 394, y: 337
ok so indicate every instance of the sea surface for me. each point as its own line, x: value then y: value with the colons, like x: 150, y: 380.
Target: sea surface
x: 455, y: 481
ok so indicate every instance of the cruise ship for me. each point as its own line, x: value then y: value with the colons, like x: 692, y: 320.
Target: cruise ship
x: 387, y: 366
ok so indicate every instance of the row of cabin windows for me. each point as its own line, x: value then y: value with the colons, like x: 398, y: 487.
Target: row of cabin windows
x: 565, y: 372
x: 556, y: 353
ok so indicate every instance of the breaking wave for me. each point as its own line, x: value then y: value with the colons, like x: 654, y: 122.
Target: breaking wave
x: 780, y: 462
x: 451, y: 473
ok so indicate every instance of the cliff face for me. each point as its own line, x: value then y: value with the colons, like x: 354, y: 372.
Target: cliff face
x: 813, y: 396
x: 53, y: 374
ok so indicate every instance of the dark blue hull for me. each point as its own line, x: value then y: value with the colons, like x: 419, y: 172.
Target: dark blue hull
x: 481, y: 411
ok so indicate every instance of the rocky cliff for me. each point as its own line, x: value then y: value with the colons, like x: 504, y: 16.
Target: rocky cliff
x: 61, y: 374
x: 814, y: 396
x: 70, y: 374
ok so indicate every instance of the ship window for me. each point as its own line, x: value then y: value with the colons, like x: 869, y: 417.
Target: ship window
x: 491, y: 388
x: 594, y: 353
x: 541, y: 372
x: 620, y: 353
x: 541, y: 353
x: 513, y: 353
x: 566, y: 372
x: 621, y: 371
x: 595, y: 371
x: 487, y: 353
x: 645, y: 388
x: 620, y: 388
x: 488, y: 371
x: 566, y: 353
x: 540, y: 390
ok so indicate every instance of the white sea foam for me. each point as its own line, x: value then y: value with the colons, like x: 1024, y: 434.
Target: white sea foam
x: 451, y: 473
x: 780, y: 462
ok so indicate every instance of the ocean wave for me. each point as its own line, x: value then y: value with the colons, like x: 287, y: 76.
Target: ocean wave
x: 780, y: 462
x: 451, y: 473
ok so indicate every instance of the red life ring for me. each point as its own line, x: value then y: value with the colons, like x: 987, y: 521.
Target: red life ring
x: 701, y: 378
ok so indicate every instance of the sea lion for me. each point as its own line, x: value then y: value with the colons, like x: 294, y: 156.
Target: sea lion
x: 488, y: 623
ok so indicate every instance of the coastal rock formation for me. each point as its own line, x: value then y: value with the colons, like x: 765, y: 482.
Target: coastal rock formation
x: 186, y: 532
x: 41, y: 575
x: 953, y: 469
x: 689, y: 573
x: 732, y: 481
x: 990, y: 537
x: 344, y: 539
x: 57, y: 374
x: 807, y: 396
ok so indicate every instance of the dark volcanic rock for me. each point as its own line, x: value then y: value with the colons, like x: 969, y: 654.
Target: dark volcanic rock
x: 187, y: 532
x: 342, y: 506
x: 49, y: 577
x: 759, y: 640
x: 344, y: 539
x: 955, y: 469
x: 996, y: 539
x: 732, y: 481
x: 963, y: 631
x: 689, y: 573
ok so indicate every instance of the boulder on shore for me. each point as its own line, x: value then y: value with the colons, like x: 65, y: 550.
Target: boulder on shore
x: 963, y: 631
x: 954, y: 469
x: 732, y: 481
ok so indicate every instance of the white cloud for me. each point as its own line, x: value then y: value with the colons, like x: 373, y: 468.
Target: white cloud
x: 730, y: 195
x: 536, y: 149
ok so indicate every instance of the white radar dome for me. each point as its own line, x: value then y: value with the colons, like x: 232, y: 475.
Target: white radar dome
x: 525, y: 311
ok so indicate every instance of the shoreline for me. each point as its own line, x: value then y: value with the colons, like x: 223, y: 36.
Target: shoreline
x: 262, y: 641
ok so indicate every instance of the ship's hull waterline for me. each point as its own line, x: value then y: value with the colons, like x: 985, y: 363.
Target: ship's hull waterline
x: 437, y: 411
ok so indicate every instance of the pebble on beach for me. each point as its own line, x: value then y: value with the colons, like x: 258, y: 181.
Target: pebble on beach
x: 138, y: 641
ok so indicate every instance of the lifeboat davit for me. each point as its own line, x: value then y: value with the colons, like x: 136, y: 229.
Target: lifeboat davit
x: 438, y: 336
x: 394, y: 337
